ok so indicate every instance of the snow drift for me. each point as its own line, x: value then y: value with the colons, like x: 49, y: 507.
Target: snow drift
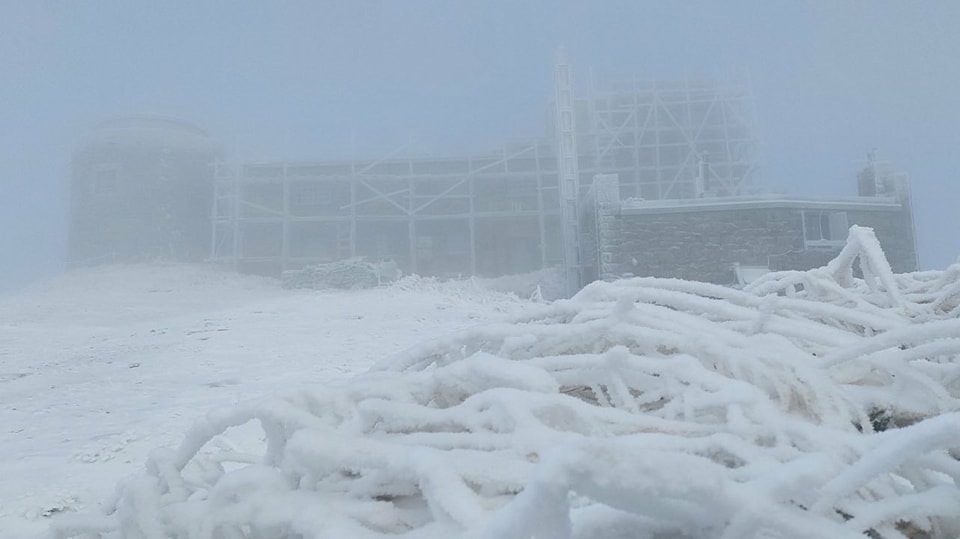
x: 811, y: 404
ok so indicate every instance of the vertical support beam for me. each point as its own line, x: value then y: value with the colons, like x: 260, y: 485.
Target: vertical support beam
x: 411, y: 226
x: 285, y: 234
x: 353, y: 194
x: 472, y: 224
x: 569, y: 174
x: 214, y: 213
x: 803, y: 229
x: 353, y: 217
x: 730, y: 157
x: 701, y: 181
x: 594, y: 119
x: 662, y: 193
x: 637, y: 137
x: 237, y: 228
x: 353, y: 207
x: 540, y: 208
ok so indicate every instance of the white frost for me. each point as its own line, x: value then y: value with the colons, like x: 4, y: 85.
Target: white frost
x: 646, y: 408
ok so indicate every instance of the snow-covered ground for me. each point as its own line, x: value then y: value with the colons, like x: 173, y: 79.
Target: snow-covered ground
x: 102, y: 365
x: 809, y: 404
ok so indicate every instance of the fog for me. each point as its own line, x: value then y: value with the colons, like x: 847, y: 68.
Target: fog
x: 310, y: 80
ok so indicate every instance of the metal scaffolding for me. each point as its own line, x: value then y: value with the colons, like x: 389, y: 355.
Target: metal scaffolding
x: 670, y: 140
x: 432, y: 216
x: 567, y: 162
x: 513, y: 211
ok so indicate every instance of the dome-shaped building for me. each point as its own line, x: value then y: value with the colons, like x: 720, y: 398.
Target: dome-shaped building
x: 141, y: 190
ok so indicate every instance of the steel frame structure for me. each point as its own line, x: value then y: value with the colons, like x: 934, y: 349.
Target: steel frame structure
x: 568, y: 164
x: 262, y: 212
x: 511, y: 211
x: 671, y: 140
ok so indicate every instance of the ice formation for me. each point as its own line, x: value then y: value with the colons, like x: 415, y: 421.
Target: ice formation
x: 810, y: 404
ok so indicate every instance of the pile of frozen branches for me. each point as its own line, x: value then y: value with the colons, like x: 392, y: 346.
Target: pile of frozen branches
x: 812, y: 404
x: 350, y: 273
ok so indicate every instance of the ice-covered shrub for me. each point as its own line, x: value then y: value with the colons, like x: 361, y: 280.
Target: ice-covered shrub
x: 642, y: 408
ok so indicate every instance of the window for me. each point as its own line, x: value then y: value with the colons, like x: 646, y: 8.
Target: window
x: 824, y: 227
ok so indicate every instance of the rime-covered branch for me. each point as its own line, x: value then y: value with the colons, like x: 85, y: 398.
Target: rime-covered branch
x: 815, y: 404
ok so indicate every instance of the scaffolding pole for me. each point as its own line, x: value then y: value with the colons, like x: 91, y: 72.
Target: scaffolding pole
x: 569, y: 175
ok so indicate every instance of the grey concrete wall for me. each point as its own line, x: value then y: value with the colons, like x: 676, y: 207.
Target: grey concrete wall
x: 704, y: 245
x: 896, y: 234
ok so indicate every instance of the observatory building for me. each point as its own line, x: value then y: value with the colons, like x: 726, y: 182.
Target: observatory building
x: 645, y: 179
x: 141, y: 190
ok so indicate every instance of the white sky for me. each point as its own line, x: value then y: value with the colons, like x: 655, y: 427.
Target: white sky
x: 274, y: 80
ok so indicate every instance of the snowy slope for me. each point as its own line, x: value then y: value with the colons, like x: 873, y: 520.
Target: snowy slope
x: 102, y: 365
x: 812, y: 404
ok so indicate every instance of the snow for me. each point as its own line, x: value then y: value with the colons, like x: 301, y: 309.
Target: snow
x: 809, y: 404
x: 102, y: 365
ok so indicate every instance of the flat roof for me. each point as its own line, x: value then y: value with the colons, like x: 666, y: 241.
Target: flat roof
x: 642, y: 207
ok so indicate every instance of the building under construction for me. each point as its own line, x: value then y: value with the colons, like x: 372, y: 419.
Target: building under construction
x: 635, y: 179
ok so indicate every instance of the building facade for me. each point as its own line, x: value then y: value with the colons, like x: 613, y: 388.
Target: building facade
x: 653, y: 179
x: 141, y: 190
x: 490, y: 214
x: 729, y: 240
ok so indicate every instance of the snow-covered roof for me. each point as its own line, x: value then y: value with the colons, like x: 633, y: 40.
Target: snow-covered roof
x: 637, y: 206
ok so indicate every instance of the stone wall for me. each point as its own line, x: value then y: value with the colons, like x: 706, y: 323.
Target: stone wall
x: 896, y: 234
x: 705, y: 244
